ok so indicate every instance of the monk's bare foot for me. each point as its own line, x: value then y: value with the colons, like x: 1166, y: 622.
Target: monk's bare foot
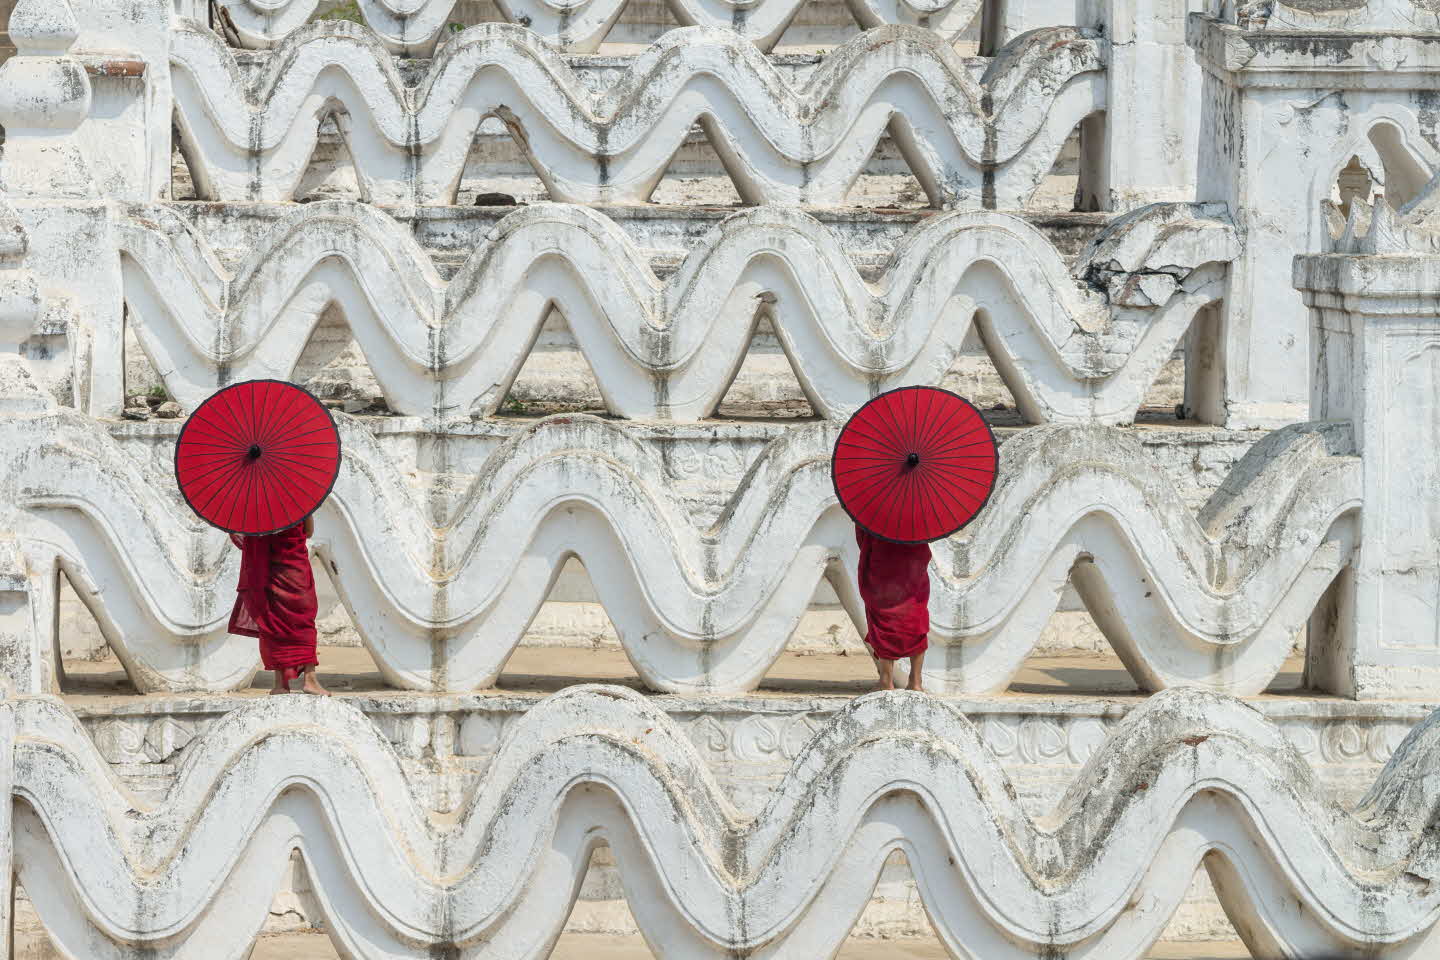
x: 914, y: 684
x: 312, y: 685
x: 281, y: 684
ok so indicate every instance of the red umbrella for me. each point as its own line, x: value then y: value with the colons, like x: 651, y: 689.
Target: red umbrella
x: 914, y: 464
x: 257, y: 457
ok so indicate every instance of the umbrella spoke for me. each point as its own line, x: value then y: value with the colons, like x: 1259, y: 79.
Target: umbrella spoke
x: 865, y: 430
x: 215, y: 487
x: 874, y: 489
x: 303, y: 418
x: 207, y: 421
x: 963, y: 512
x: 280, y: 417
x: 229, y: 406
x: 886, y: 408
x: 935, y: 495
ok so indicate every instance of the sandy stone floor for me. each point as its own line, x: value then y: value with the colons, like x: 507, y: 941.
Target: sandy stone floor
x: 544, y: 670
x: 598, y: 947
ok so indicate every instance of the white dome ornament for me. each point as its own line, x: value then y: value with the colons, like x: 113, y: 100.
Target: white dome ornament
x: 44, y: 98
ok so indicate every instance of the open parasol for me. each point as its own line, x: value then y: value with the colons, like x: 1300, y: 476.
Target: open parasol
x: 914, y: 464
x: 257, y: 457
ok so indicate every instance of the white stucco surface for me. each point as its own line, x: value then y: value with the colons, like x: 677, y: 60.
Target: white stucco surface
x: 591, y: 288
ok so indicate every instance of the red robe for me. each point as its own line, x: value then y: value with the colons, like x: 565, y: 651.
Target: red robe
x: 895, y: 585
x: 276, y: 601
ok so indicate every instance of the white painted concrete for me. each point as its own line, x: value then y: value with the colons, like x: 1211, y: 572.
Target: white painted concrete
x: 494, y: 871
x: 429, y: 823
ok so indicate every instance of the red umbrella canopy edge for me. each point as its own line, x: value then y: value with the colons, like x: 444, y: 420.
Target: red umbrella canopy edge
x: 914, y: 464
x: 257, y: 457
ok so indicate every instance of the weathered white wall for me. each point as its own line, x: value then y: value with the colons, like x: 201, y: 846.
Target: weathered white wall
x: 707, y: 610
x: 749, y: 745
x: 1081, y: 342
x: 704, y: 471
x: 1283, y: 116
x: 726, y: 852
x: 708, y: 539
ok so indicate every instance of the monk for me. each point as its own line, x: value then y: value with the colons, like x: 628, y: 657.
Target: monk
x: 895, y: 585
x: 276, y: 604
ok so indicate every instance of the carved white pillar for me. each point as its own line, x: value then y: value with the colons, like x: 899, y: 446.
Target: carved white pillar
x: 24, y: 644
x: 124, y: 46
x: 44, y: 98
x: 1142, y: 149
x: 22, y: 667
x: 1282, y: 114
x: 1004, y: 20
x: 1376, y: 363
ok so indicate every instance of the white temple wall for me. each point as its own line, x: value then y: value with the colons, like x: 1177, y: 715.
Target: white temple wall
x: 435, y: 819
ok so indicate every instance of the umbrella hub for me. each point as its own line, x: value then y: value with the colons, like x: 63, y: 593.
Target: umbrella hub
x: 254, y: 452
x: 912, y: 459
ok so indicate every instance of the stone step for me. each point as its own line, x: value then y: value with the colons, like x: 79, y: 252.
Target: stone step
x: 586, y: 946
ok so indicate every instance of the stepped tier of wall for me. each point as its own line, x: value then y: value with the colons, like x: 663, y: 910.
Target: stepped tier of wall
x: 699, y: 603
x: 1078, y: 344
x: 591, y: 288
x: 1018, y: 828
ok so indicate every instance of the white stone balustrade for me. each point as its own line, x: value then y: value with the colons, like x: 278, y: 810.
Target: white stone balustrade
x: 1186, y: 778
x: 1213, y: 600
x: 969, y: 143
x: 1079, y: 344
x: 415, y: 27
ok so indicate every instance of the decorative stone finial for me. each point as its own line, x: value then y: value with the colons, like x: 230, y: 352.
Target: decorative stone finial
x: 1380, y: 229
x: 44, y: 97
x: 41, y: 28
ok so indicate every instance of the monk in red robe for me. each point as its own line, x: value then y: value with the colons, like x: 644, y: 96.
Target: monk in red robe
x: 895, y: 585
x: 276, y: 604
